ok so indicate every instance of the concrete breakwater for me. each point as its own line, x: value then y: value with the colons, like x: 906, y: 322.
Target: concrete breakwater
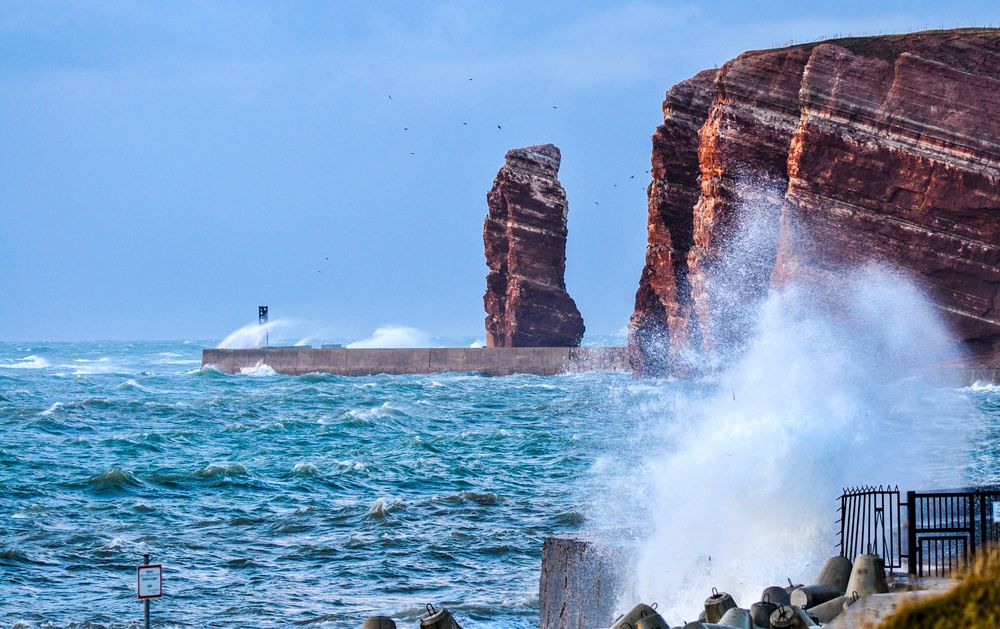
x: 578, y: 589
x: 493, y: 361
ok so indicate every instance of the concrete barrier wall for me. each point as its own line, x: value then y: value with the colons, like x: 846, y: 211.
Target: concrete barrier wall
x: 494, y: 361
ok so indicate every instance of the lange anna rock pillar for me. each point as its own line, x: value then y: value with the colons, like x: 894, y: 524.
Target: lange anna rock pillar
x: 525, y: 236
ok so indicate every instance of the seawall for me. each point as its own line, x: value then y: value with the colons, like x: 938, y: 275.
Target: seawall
x: 493, y: 361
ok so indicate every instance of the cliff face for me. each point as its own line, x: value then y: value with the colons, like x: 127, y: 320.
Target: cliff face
x: 839, y: 153
x: 525, y: 237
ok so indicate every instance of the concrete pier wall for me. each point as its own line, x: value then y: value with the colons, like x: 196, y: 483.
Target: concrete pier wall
x: 494, y: 361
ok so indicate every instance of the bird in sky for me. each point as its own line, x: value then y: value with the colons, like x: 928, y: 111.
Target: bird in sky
x: 596, y: 203
x: 499, y: 127
x: 390, y: 96
x: 631, y: 176
x: 465, y: 123
x: 406, y: 128
x: 554, y: 107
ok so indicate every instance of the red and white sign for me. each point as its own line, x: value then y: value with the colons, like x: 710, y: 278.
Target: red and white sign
x: 149, y: 579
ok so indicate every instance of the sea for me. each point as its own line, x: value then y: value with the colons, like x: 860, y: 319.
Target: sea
x: 317, y: 500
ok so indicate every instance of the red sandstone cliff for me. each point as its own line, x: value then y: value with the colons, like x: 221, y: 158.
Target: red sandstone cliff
x: 525, y: 236
x: 884, y: 148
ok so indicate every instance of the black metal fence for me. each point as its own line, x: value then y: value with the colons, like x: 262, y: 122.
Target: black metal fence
x: 942, y: 529
x: 870, y: 523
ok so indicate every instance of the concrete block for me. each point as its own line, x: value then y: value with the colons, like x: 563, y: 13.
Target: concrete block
x: 437, y: 359
x: 578, y: 585
x: 414, y: 360
x: 456, y: 357
x: 335, y: 360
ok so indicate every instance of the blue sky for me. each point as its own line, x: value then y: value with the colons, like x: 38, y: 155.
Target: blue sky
x: 166, y: 167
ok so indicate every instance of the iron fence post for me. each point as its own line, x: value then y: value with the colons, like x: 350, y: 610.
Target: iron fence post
x: 911, y: 532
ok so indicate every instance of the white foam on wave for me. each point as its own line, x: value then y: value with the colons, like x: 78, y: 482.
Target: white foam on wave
x: 980, y: 386
x: 52, y: 409
x: 259, y: 369
x: 28, y: 362
x: 393, y: 336
x: 385, y: 410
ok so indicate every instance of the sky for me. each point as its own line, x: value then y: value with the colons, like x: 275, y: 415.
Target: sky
x: 165, y: 168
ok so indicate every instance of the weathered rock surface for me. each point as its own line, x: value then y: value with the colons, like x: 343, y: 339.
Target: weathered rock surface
x: 663, y: 306
x: 841, y: 153
x: 525, y: 236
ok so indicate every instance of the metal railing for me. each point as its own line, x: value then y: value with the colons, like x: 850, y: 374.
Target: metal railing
x: 869, y: 521
x: 942, y: 529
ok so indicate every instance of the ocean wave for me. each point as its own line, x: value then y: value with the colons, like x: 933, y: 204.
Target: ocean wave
x: 364, y: 415
x: 484, y: 499
x: 980, y: 386
x: 52, y: 409
x: 28, y: 362
x: 209, y: 369
x: 13, y: 557
x: 260, y: 369
x: 222, y: 470
x: 113, y: 481
x: 382, y: 508
x: 130, y: 385
x: 352, y: 466
x: 305, y: 469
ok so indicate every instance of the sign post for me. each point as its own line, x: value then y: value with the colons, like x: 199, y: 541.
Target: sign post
x: 149, y: 584
x: 261, y: 320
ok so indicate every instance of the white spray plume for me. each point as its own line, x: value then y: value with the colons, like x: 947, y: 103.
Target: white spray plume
x: 393, y: 336
x: 252, y: 335
x: 738, y: 477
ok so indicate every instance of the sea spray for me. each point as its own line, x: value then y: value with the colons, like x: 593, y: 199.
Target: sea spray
x: 393, y: 336
x: 835, y: 385
x: 253, y: 335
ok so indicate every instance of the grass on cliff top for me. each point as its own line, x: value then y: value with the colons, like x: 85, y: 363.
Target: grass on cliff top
x: 888, y: 47
x: 972, y: 604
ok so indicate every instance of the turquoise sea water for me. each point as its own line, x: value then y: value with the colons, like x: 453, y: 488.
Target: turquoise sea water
x: 285, y: 501
x: 275, y: 500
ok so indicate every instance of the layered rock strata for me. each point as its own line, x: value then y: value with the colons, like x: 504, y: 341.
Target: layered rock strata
x: 814, y: 159
x: 525, y: 238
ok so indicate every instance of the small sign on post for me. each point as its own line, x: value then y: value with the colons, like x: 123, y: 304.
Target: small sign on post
x: 149, y: 584
x: 150, y: 581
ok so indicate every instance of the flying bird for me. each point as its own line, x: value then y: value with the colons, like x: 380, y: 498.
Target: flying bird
x: 631, y: 176
x: 554, y: 107
x: 596, y: 203
x: 406, y: 128
x: 499, y: 127
x: 390, y: 96
x: 465, y: 123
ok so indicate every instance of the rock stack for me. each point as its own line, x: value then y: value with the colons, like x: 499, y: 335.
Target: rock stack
x: 525, y: 237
